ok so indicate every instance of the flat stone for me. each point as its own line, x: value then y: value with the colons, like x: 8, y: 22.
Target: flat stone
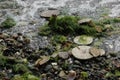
x: 49, y: 13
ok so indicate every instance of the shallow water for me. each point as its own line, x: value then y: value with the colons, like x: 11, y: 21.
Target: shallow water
x: 29, y: 11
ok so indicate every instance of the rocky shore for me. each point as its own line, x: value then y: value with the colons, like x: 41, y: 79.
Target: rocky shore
x: 26, y: 55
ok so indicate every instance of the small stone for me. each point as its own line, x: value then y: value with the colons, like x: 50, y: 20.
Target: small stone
x: 43, y: 77
x: 15, y: 36
x: 70, y: 60
x: 83, y: 21
x: 49, y: 13
x: 62, y: 74
x: 54, y: 55
x: 96, y: 52
x: 55, y: 66
x: 63, y: 55
x: 26, y: 40
x: 42, y: 60
x: 71, y: 75
x: 77, y: 62
x: 20, y: 39
x: 18, y: 53
x: 48, y: 67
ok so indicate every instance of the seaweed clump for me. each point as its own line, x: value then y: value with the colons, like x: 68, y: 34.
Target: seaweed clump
x: 8, y: 23
x: 67, y: 25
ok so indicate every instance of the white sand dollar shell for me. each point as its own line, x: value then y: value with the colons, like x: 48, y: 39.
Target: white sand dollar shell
x: 83, y: 39
x: 81, y: 52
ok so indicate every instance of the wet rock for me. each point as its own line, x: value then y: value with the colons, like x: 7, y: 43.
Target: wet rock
x: 49, y: 13
x: 63, y: 55
x: 83, y: 40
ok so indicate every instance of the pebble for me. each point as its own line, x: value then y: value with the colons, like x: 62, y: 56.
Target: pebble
x: 55, y: 66
x: 62, y: 74
x: 48, y: 67
x: 63, y: 55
